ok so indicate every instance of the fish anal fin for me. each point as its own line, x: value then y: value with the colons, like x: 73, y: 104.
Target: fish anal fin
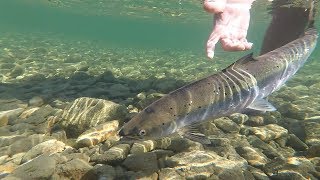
x: 261, y: 105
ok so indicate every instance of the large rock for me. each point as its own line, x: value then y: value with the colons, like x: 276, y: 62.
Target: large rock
x: 42, y: 167
x: 85, y: 113
x: 47, y: 147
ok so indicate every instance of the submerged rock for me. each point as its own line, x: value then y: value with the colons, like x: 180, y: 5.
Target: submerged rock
x: 254, y: 157
x: 142, y: 147
x: 146, y: 162
x: 227, y: 125
x: 269, y: 132
x: 114, y: 155
x: 98, y: 134
x: 47, y: 147
x: 36, y: 101
x: 312, y: 130
x: 6, y: 115
x: 204, y: 164
x: 42, y: 167
x: 290, y: 168
x: 86, y: 113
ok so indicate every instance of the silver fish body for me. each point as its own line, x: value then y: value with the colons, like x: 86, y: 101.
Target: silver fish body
x: 242, y: 85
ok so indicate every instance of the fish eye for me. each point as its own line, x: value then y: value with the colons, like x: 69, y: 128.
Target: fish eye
x: 142, y: 132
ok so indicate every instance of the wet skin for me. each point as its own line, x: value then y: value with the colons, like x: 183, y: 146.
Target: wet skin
x: 231, y: 22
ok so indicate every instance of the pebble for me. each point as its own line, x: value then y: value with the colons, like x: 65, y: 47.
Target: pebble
x: 146, y: 162
x: 269, y: 132
x: 142, y: 147
x: 227, y: 125
x: 312, y: 131
x: 114, y: 155
x: 103, y: 171
x: 314, y: 151
x: 98, y: 134
x: 296, y: 143
x: 267, y: 149
x: 74, y: 169
x: 28, y: 112
x: 5, y: 116
x: 40, y: 116
x: 204, y: 164
x: 239, y: 118
x: 36, y: 101
x: 257, y: 173
x: 254, y: 158
x: 16, y: 71
x: 291, y: 167
x: 170, y: 173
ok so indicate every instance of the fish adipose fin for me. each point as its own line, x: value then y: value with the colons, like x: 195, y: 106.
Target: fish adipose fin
x: 261, y: 105
x: 192, y: 133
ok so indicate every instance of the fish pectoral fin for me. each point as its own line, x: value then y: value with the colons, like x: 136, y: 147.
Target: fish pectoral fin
x: 192, y: 133
x: 261, y: 105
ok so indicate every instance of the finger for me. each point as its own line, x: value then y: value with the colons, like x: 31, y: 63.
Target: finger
x: 211, y: 43
x: 214, y: 6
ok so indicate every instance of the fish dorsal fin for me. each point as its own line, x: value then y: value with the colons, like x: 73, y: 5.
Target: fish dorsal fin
x: 243, y: 60
x: 261, y: 105
x: 191, y: 132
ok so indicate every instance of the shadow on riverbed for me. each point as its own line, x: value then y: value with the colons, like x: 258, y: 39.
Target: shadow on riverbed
x: 105, y: 86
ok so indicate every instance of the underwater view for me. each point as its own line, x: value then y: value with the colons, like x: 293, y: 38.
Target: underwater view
x: 101, y: 90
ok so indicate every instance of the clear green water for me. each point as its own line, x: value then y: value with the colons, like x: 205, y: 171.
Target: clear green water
x: 156, y: 38
x: 60, y: 50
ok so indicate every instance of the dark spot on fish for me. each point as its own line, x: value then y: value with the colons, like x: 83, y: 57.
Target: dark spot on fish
x: 225, y: 93
x: 163, y: 124
x: 189, y: 104
x: 224, y: 70
x: 233, y: 86
x: 219, y: 88
x: 171, y: 108
x: 149, y: 110
x: 208, y: 83
x: 277, y: 66
x: 199, y: 107
x: 174, y: 115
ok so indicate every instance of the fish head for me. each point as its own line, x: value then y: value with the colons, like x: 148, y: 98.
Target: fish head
x: 151, y: 123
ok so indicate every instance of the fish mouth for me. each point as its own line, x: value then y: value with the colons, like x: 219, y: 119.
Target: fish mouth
x: 124, y: 137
